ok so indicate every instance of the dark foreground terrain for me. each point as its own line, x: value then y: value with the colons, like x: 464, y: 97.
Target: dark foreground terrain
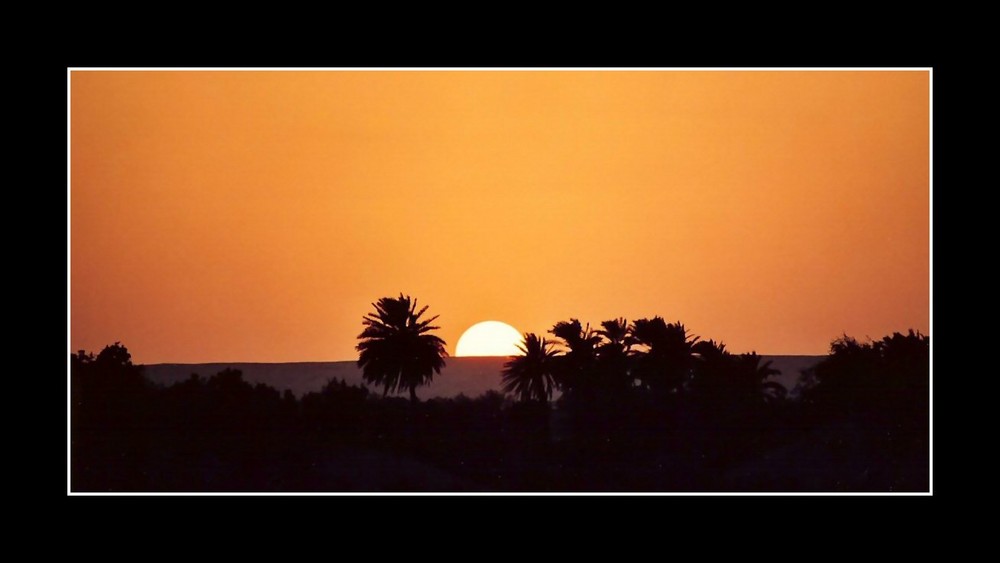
x: 859, y: 422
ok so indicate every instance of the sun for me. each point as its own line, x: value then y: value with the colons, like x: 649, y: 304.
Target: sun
x: 489, y: 338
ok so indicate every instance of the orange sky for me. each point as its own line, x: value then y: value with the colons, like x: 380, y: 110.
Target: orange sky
x: 254, y: 216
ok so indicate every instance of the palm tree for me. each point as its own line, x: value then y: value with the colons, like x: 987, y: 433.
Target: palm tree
x: 666, y: 362
x: 612, y: 354
x: 396, y: 350
x: 530, y: 376
x: 756, y: 375
x: 579, y: 339
x: 722, y: 376
x: 618, y: 336
x: 714, y: 371
x: 576, y: 368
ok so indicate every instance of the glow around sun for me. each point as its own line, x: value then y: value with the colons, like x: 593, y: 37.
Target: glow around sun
x: 489, y: 338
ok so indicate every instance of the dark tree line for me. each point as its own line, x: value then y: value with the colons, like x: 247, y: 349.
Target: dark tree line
x: 629, y: 406
x: 648, y: 355
x: 223, y: 433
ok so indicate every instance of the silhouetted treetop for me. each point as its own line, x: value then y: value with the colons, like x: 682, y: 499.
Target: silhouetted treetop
x: 666, y: 355
x: 111, y: 371
x: 396, y: 349
x: 886, y: 373
x: 581, y: 341
x: 576, y: 369
x: 617, y: 334
x: 531, y: 376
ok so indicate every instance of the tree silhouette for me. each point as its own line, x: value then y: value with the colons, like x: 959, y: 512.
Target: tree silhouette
x: 618, y: 336
x: 110, y: 412
x: 576, y: 369
x: 613, y: 356
x: 712, y: 369
x: 110, y: 372
x: 752, y: 377
x: 666, y: 362
x: 883, y: 374
x: 107, y: 386
x: 735, y: 380
x: 531, y: 376
x: 396, y: 349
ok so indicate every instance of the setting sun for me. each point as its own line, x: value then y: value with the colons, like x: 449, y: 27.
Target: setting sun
x: 489, y: 338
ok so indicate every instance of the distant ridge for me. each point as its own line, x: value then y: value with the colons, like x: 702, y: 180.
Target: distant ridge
x: 469, y: 376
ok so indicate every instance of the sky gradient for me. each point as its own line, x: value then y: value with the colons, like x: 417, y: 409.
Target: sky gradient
x: 255, y: 216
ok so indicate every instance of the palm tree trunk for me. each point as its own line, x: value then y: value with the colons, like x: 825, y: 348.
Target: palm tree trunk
x: 413, y: 395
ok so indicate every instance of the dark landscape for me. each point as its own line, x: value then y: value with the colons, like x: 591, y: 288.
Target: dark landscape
x: 680, y: 415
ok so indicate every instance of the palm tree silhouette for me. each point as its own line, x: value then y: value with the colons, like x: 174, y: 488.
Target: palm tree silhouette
x: 579, y: 339
x: 714, y: 371
x: 618, y: 336
x: 576, y: 368
x: 530, y: 376
x: 396, y: 350
x: 722, y: 376
x: 666, y: 362
x: 753, y: 377
x: 613, y: 355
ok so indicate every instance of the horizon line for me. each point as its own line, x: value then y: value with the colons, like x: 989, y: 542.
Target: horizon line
x: 355, y: 361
